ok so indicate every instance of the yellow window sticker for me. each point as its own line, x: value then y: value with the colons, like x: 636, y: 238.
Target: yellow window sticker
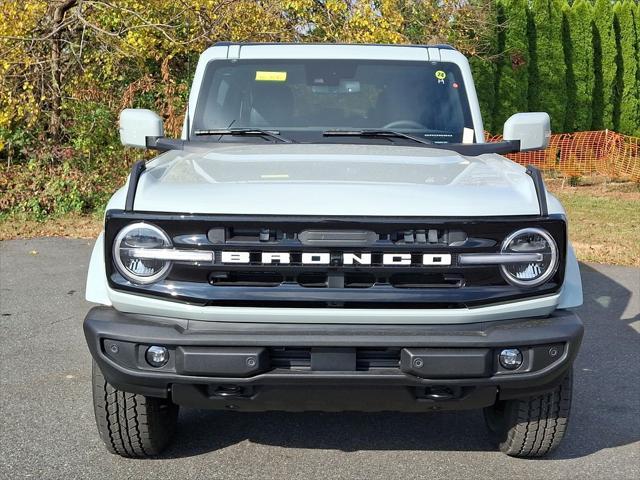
x: 262, y: 76
x: 441, y: 75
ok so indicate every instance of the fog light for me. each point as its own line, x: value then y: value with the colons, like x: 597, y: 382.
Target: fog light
x: 510, y: 358
x: 157, y: 356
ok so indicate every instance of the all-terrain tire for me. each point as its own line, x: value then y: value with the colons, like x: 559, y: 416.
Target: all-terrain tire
x: 129, y: 424
x: 531, y: 427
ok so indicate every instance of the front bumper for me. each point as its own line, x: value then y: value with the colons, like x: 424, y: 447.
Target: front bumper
x: 296, y: 367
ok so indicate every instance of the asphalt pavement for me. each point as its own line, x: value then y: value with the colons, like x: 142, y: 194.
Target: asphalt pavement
x: 47, y: 428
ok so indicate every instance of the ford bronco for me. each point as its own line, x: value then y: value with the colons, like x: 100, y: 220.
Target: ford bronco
x: 332, y: 233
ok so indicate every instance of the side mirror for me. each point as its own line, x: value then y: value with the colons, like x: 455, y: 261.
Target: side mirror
x: 532, y: 130
x: 136, y: 124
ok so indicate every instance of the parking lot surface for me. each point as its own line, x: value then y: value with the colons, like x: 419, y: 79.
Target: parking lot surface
x: 47, y: 428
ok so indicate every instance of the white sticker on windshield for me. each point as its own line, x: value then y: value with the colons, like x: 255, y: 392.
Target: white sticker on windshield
x: 467, y: 135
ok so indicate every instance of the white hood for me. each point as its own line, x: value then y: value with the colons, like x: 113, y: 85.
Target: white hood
x: 334, y: 179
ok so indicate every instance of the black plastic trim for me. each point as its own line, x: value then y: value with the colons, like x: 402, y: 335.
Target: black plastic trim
x: 294, y: 295
x: 164, y: 144
x: 538, y: 183
x: 475, y: 149
x: 104, y: 323
x: 321, y: 221
x: 333, y: 398
x: 138, y: 168
x: 107, y: 322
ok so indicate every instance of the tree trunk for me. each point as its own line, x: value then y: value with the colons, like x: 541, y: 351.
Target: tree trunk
x: 57, y: 18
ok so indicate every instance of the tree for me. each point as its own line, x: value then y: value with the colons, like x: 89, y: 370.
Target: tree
x: 68, y: 66
x: 627, y: 94
x: 460, y: 23
x: 580, y: 69
x: 21, y: 91
x: 484, y: 68
x: 58, y: 54
x: 604, y: 48
x: 484, y: 76
x: 357, y: 21
x: 512, y: 73
x: 548, y: 79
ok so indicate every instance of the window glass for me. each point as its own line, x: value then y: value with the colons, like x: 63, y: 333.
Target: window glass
x: 426, y: 99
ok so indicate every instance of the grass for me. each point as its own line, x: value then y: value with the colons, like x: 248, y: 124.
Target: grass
x: 604, y: 222
x: 73, y: 225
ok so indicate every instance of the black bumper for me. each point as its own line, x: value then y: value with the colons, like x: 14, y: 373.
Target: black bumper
x: 298, y: 367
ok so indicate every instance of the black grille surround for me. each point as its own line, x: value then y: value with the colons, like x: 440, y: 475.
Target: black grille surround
x: 335, y: 285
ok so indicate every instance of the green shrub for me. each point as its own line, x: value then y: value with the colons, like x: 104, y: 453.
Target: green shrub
x: 604, y: 47
x: 626, y: 118
x: 547, y: 80
x: 580, y: 69
x: 512, y: 71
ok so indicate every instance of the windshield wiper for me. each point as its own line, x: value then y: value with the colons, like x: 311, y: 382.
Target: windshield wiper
x: 374, y: 133
x: 245, y: 131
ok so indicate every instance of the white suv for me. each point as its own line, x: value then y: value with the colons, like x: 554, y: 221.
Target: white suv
x: 332, y: 233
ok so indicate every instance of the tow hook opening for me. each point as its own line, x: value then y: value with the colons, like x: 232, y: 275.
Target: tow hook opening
x: 229, y: 391
x: 439, y: 393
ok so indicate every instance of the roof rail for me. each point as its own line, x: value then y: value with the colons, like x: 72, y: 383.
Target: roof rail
x: 441, y: 46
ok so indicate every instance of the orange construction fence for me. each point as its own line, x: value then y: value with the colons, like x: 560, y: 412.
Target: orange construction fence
x: 585, y: 153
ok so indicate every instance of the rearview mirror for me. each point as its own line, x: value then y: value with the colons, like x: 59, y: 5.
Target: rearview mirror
x: 136, y: 124
x: 532, y: 130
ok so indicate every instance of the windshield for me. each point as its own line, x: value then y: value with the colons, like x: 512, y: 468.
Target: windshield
x: 303, y: 99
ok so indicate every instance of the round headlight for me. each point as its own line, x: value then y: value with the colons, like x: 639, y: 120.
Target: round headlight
x: 130, y: 242
x: 537, y: 271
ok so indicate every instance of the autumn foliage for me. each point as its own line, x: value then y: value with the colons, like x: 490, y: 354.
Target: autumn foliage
x: 67, y: 67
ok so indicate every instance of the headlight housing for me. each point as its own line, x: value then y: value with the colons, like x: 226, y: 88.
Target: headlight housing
x: 133, y: 239
x: 532, y: 273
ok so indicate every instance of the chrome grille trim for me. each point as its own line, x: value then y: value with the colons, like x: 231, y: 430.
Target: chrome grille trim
x: 172, y: 255
x: 497, y: 258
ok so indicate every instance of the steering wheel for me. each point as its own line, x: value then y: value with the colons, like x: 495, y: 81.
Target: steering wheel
x: 404, y: 124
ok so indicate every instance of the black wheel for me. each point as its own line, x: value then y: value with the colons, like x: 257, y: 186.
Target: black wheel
x: 131, y: 425
x: 531, y: 427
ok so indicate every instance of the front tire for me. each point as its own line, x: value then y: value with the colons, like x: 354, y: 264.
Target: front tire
x: 131, y: 425
x: 531, y: 427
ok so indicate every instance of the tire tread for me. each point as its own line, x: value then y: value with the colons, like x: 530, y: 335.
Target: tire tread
x: 533, y: 427
x: 131, y: 425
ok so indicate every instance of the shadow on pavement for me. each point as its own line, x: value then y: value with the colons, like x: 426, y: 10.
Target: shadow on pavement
x: 605, y: 411
x: 606, y: 404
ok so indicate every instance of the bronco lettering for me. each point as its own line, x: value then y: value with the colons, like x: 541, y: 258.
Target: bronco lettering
x: 324, y: 258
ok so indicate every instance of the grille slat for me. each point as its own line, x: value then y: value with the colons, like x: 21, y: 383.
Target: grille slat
x: 320, y: 279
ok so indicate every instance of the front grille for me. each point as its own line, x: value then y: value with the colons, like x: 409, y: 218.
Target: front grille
x: 334, y: 283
